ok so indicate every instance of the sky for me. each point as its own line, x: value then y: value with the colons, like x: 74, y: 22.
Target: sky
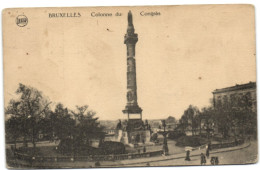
x: 182, y: 55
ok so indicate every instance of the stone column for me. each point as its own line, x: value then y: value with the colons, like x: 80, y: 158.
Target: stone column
x: 130, y: 40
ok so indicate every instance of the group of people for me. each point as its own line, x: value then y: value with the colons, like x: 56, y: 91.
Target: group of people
x: 203, y: 160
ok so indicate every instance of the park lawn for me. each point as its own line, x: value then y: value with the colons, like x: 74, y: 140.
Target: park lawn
x: 173, y: 149
x: 48, y: 149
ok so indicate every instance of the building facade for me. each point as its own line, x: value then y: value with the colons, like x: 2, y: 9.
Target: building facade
x: 239, y: 100
x: 236, y: 94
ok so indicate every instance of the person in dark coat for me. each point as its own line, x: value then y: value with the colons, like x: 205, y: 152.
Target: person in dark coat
x: 212, y: 161
x: 187, y: 156
x: 207, y: 153
x: 209, y: 146
x: 216, y: 161
x: 97, y: 164
x: 202, y: 159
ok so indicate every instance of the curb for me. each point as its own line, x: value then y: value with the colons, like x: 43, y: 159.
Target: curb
x: 180, y: 157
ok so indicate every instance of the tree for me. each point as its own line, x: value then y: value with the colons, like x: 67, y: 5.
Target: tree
x: 170, y: 119
x: 224, y: 120
x: 154, y: 137
x: 87, y: 126
x: 236, y: 115
x: 62, y: 122
x: 44, y: 126
x: 183, y: 123
x: 13, y: 129
x: 14, y: 110
x: 190, y: 118
x: 28, y: 108
x: 207, y: 114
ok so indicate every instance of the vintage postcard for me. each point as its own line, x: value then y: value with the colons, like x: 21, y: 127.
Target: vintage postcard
x: 130, y: 86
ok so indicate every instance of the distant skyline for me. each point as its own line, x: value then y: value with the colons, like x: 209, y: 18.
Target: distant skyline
x: 181, y: 57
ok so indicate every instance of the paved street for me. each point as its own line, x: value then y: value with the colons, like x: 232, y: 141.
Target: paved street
x: 238, y: 155
x: 246, y: 153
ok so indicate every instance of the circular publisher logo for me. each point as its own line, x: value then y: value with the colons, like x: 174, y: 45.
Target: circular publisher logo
x: 21, y: 20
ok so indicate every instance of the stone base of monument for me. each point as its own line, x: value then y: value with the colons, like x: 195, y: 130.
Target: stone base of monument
x: 147, y: 144
x: 143, y: 136
x: 130, y: 145
x: 137, y: 145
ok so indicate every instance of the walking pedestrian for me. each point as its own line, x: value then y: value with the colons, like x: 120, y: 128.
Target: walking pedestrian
x: 202, y: 159
x: 97, y: 164
x: 216, y: 161
x: 212, y: 161
x: 207, y: 152
x: 187, y: 156
x: 209, y: 146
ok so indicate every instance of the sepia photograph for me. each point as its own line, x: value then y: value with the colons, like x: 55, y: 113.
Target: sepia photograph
x: 132, y: 86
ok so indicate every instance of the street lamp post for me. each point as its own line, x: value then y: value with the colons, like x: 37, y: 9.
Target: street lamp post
x: 165, y: 145
x: 209, y: 128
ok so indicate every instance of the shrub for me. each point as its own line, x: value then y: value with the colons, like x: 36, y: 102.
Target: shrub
x: 110, y: 147
x: 192, y: 141
x: 175, y: 134
x: 154, y: 137
x: 66, y: 147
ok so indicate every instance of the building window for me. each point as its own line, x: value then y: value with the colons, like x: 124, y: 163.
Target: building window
x: 233, y: 100
x: 225, y: 101
x: 219, y: 102
x: 248, y: 98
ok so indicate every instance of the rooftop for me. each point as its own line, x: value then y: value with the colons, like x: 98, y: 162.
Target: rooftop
x: 250, y: 85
